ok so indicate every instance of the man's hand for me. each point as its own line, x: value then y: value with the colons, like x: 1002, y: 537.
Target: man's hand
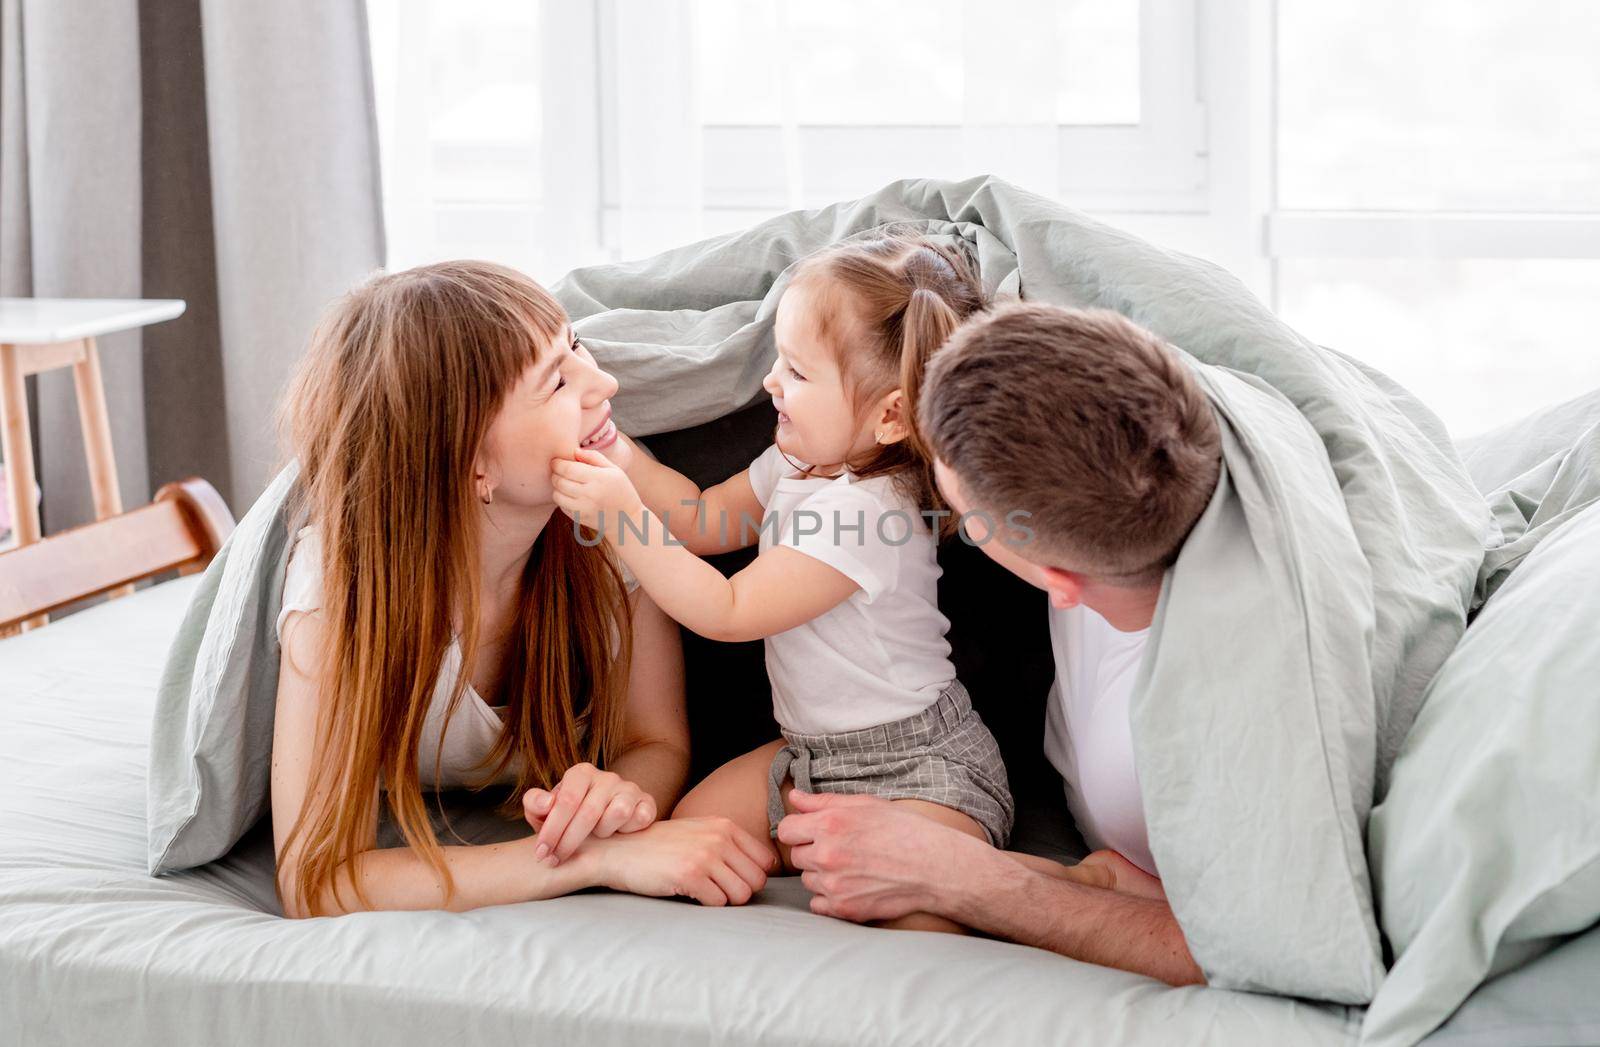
x: 865, y: 859
x: 593, y: 484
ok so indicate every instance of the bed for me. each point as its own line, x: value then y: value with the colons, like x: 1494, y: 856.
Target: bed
x: 94, y: 950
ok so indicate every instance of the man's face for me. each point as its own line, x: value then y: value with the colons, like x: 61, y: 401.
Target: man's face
x: 990, y: 533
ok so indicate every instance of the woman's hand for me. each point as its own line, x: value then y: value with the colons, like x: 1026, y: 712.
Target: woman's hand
x: 711, y: 860
x: 593, y: 484
x: 586, y: 802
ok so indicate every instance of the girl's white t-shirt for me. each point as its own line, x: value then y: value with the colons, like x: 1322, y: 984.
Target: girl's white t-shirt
x: 881, y: 655
x: 1088, y: 737
x: 470, y: 733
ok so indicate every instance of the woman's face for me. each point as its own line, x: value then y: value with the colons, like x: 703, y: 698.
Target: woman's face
x: 561, y: 402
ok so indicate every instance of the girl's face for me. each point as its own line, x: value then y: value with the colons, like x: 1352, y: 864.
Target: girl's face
x: 816, y: 423
x: 561, y: 402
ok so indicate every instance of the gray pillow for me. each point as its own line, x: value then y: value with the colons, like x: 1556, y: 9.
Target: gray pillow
x: 1486, y: 851
x: 211, y: 736
x: 1499, y: 456
x: 1551, y: 1002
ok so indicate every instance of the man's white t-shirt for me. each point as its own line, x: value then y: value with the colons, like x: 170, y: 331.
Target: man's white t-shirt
x: 1088, y: 737
x: 881, y: 655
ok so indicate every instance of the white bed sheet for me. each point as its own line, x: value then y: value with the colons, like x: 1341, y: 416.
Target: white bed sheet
x: 92, y: 949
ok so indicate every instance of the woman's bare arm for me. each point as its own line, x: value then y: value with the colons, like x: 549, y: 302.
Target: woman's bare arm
x: 647, y: 775
x: 655, y: 748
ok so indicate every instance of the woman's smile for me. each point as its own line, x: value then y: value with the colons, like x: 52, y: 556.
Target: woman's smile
x: 604, y: 436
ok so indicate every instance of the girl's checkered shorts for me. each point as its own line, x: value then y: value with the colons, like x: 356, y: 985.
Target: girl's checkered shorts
x: 944, y: 755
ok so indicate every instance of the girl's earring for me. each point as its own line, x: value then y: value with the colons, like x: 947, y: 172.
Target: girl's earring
x: 878, y: 436
x: 486, y: 494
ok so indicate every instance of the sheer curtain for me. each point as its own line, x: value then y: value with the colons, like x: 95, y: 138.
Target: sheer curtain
x: 218, y: 152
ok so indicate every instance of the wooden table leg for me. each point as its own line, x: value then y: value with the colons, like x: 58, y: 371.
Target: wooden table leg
x: 96, y: 423
x: 16, y: 444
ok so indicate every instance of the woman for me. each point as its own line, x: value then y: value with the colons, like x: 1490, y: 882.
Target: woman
x: 443, y: 626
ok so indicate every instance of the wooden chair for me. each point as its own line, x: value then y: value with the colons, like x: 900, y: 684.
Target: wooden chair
x: 180, y: 531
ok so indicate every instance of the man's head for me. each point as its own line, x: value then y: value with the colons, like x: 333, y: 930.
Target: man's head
x: 1083, y: 420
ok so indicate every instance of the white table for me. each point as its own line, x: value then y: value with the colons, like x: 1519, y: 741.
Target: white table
x: 43, y: 334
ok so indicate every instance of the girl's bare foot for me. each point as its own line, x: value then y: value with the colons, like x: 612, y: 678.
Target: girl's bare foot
x: 1121, y: 875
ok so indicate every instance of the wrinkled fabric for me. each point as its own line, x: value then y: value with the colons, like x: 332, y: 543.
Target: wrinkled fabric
x: 1486, y: 851
x: 1297, y: 633
x: 1329, y: 578
x: 93, y: 950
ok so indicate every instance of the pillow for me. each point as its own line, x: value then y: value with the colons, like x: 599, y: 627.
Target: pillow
x: 1499, y: 456
x: 1486, y: 850
x: 1551, y: 1002
x: 211, y: 735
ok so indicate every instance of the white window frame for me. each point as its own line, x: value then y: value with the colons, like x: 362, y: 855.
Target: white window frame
x: 1416, y: 234
x: 1432, y: 234
x: 1157, y: 165
x: 1242, y: 227
x: 1197, y: 174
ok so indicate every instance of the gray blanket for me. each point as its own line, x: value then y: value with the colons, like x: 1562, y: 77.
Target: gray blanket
x: 1330, y: 576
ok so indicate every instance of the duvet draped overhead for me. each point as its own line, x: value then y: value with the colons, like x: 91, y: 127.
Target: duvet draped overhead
x: 1293, y: 640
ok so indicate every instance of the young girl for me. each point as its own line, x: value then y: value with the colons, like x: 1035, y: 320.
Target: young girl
x: 844, y: 590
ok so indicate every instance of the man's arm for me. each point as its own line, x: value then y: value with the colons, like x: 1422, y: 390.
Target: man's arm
x: 865, y: 859
x: 1005, y: 898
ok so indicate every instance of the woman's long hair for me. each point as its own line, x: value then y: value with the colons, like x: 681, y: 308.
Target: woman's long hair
x: 387, y: 415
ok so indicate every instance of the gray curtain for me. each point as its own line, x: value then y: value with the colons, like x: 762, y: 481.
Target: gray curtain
x: 219, y: 151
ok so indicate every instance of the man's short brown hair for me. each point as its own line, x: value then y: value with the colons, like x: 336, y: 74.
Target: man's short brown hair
x: 1085, y: 420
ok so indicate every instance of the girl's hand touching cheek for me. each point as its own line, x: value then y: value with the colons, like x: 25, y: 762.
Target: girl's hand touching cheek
x: 593, y: 484
x: 621, y: 451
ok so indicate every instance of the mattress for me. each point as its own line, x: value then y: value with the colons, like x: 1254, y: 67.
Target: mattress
x: 92, y: 949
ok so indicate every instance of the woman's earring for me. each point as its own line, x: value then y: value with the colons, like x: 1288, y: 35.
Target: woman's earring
x: 486, y: 494
x: 878, y: 436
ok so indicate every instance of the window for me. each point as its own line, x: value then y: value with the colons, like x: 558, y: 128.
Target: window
x: 557, y: 134
x: 1098, y: 104
x: 1417, y: 185
x: 1480, y: 340
x: 1438, y: 185
x: 1434, y: 105
x: 458, y: 100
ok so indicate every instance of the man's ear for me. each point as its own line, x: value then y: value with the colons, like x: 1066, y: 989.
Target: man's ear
x: 889, y: 422
x: 1065, y: 588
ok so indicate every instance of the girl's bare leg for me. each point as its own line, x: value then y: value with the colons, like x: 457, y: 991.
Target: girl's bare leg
x: 1125, y: 876
x: 923, y: 921
x: 738, y: 791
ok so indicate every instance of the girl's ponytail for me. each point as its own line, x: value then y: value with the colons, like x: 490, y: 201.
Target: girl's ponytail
x: 929, y: 323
